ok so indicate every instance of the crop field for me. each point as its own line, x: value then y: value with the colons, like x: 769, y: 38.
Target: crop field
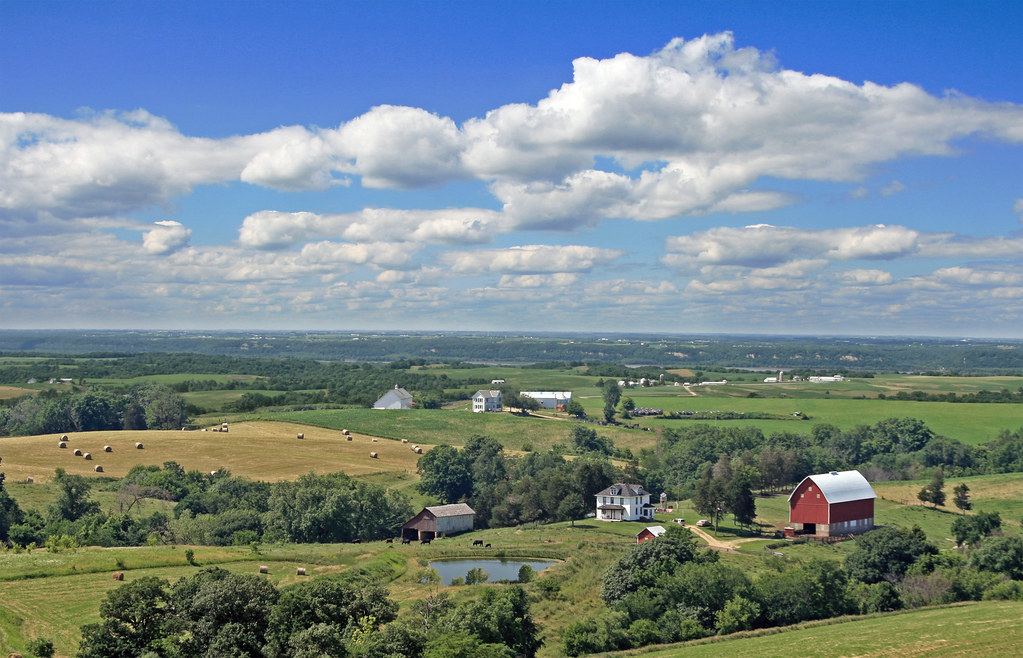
x: 11, y: 392
x: 257, y: 450
x: 985, y: 628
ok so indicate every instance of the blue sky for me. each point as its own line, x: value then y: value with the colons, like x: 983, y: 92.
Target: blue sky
x: 794, y: 167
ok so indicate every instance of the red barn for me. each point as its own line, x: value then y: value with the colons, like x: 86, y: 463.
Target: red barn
x: 832, y: 504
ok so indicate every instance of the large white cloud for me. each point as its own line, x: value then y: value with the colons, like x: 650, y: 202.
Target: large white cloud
x: 531, y: 259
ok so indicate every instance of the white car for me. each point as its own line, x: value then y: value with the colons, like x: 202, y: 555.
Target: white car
x: 702, y: 522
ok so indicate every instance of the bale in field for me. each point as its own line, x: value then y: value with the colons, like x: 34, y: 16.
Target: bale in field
x: 375, y: 440
x: 372, y: 455
x: 78, y: 452
x: 98, y: 469
x: 88, y: 456
x: 118, y: 575
x: 107, y: 449
x: 301, y: 435
x: 264, y: 569
x: 349, y: 438
x: 29, y: 480
x: 300, y: 571
x: 345, y: 432
x: 62, y: 445
x: 138, y: 446
x: 63, y: 437
x: 404, y: 441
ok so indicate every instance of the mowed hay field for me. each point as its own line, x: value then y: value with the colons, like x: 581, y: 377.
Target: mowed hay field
x: 985, y: 628
x: 268, y: 451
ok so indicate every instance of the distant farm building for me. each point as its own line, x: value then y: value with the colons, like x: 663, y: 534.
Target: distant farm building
x: 557, y: 400
x: 829, y: 504
x: 822, y: 380
x: 624, y: 502
x: 439, y: 521
x: 396, y: 398
x: 652, y: 532
x: 486, y: 401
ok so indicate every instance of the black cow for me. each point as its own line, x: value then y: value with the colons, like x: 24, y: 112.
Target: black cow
x: 424, y: 541
x: 477, y: 542
x: 487, y: 546
x: 406, y: 540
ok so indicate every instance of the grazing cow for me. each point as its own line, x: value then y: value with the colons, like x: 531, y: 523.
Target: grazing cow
x: 424, y: 541
x: 406, y: 540
x: 389, y: 540
x: 477, y: 542
x: 487, y: 546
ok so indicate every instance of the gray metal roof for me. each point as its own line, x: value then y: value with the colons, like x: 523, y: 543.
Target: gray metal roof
x: 456, y: 509
x: 488, y: 394
x: 840, y: 486
x: 624, y: 489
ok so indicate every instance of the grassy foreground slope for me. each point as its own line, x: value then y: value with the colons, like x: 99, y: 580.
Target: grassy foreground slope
x: 985, y: 628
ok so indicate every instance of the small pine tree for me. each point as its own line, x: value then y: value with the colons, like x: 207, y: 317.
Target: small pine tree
x: 933, y: 493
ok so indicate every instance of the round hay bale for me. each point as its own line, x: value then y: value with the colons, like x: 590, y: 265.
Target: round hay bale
x: 88, y: 456
x: 29, y: 480
x: 300, y: 571
x: 345, y: 432
x: 213, y: 473
x: 349, y: 438
x: 139, y: 446
x: 374, y: 440
x: 264, y: 569
x: 78, y: 452
x: 372, y: 455
x: 98, y: 469
x: 301, y: 435
x: 404, y: 441
x: 419, y: 450
x: 118, y: 575
x: 223, y: 429
x: 63, y: 437
x: 62, y: 445
x: 107, y: 449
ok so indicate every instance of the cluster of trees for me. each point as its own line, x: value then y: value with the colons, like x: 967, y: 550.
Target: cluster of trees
x: 148, y: 406
x: 538, y: 487
x: 210, y: 508
x: 665, y: 590
x: 217, y: 613
x: 1002, y: 396
x: 892, y: 449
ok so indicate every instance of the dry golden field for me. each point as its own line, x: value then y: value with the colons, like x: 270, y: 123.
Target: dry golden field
x: 268, y: 451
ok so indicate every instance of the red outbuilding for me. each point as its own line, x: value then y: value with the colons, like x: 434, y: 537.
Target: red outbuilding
x: 835, y: 503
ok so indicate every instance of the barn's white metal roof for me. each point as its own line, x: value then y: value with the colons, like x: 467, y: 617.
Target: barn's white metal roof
x: 840, y: 486
x: 455, y: 509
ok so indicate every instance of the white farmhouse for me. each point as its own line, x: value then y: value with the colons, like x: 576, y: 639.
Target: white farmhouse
x: 550, y: 400
x: 396, y: 398
x: 624, y: 502
x: 486, y: 401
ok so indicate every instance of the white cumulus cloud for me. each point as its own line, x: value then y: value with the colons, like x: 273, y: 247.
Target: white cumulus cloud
x: 165, y: 237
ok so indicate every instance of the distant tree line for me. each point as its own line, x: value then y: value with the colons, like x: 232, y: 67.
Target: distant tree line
x: 888, y: 354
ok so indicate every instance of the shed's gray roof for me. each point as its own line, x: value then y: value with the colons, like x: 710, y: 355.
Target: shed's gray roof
x: 456, y: 509
x: 840, y: 486
x: 624, y: 489
x: 655, y: 530
x: 488, y: 394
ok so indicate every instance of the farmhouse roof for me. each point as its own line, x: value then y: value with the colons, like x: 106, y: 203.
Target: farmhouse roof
x: 624, y: 489
x: 456, y: 509
x: 840, y: 486
x: 402, y: 393
x: 487, y: 394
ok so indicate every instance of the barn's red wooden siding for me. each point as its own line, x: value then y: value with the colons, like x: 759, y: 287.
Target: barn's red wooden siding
x: 808, y: 504
x: 852, y: 510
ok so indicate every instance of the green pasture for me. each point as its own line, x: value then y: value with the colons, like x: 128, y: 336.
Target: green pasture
x: 969, y: 423
x: 983, y: 628
x: 172, y: 379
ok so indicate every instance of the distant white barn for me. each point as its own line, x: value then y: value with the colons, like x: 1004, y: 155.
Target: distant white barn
x: 550, y: 399
x: 396, y: 398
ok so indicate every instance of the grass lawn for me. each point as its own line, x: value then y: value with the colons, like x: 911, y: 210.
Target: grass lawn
x: 985, y: 628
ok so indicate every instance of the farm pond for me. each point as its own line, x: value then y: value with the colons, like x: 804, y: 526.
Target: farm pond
x: 496, y: 569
